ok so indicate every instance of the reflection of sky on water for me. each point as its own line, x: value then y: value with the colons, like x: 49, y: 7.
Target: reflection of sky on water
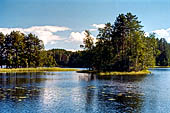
x: 74, y: 91
x: 58, y: 92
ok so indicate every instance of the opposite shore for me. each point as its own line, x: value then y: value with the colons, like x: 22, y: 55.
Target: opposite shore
x: 40, y: 69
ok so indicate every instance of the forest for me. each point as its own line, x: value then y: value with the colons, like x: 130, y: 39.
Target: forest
x: 121, y: 46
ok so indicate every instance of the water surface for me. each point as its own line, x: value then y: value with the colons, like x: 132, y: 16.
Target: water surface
x: 71, y: 92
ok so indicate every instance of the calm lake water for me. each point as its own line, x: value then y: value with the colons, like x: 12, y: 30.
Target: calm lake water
x: 71, y: 92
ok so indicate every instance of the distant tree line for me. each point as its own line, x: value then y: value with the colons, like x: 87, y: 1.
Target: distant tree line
x: 64, y: 58
x: 163, y: 59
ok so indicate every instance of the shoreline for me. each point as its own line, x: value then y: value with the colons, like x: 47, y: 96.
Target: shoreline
x: 160, y: 67
x: 144, y: 72
x: 41, y: 69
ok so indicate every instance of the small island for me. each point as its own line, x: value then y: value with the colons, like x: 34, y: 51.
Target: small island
x: 123, y: 48
x: 143, y: 72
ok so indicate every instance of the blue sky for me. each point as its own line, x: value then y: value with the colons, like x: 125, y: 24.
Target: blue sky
x: 69, y: 18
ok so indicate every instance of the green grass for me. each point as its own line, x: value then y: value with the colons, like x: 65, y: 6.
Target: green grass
x: 43, y: 69
x: 86, y: 71
x: 160, y: 67
x: 144, y: 72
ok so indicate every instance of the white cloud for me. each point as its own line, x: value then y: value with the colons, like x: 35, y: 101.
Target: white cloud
x: 45, y: 33
x: 92, y: 30
x: 77, y: 38
x: 163, y: 33
x: 98, y: 25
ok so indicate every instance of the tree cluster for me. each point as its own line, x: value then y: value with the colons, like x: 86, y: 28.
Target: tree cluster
x: 20, y: 50
x: 122, y: 46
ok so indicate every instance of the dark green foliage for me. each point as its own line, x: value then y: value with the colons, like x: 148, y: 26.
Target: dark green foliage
x: 47, y: 59
x: 20, y: 50
x: 79, y: 59
x: 164, y: 58
x: 61, y: 56
x: 123, y: 46
x: 65, y: 58
x: 2, y: 40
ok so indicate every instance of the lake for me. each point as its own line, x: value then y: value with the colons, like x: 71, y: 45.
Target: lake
x: 71, y: 92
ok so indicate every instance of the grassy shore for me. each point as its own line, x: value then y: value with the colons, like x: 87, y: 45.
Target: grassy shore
x: 12, y: 70
x: 144, y: 72
x: 160, y: 67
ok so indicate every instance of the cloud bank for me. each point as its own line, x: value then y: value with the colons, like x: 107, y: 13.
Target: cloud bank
x: 48, y: 34
x: 77, y: 37
x: 45, y: 33
x: 97, y: 26
x: 163, y: 33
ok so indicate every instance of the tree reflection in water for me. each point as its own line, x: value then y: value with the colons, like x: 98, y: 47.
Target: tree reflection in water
x: 20, y: 86
x: 119, y: 93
